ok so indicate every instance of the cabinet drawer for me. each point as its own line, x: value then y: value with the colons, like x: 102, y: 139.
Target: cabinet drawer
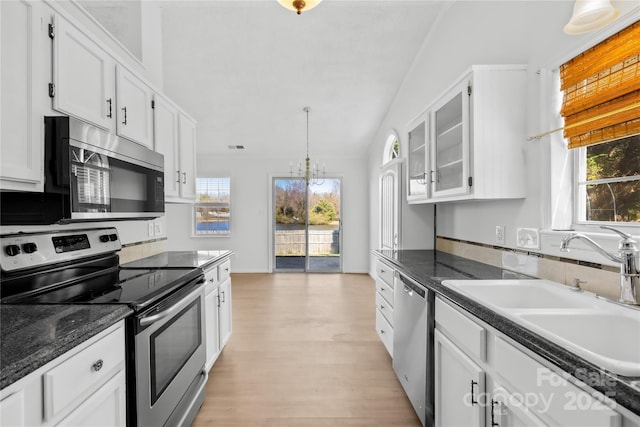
x: 385, y: 308
x: 384, y: 272
x: 385, y: 290
x: 211, y: 277
x: 385, y: 331
x: 561, y: 401
x: 464, y: 331
x: 224, y: 270
x: 82, y: 373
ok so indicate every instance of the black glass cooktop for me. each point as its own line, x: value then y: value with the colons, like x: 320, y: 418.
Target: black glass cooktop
x: 136, y: 288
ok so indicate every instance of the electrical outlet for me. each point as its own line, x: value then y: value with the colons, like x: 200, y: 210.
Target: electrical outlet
x: 528, y: 238
x: 500, y: 234
x: 157, y: 228
x: 150, y: 228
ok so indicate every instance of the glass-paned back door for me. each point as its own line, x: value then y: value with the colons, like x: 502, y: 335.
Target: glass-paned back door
x: 307, y: 226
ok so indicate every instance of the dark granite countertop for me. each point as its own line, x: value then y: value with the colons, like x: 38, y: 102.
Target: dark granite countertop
x: 180, y: 259
x: 33, y: 335
x: 430, y: 268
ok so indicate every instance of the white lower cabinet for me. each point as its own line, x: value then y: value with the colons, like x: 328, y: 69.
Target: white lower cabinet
x: 224, y: 312
x: 459, y: 385
x: 384, y: 304
x: 12, y: 409
x: 506, y: 385
x: 217, y: 303
x: 84, y: 387
x: 105, y: 407
x: 510, y: 409
x: 211, y: 324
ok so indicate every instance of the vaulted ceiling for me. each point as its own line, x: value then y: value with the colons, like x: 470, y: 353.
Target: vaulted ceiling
x: 246, y: 69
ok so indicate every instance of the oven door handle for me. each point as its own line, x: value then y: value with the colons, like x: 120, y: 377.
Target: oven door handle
x: 146, y: 321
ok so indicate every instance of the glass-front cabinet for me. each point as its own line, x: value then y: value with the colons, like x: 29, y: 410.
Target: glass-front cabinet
x: 469, y: 143
x: 417, y: 175
x: 451, y: 143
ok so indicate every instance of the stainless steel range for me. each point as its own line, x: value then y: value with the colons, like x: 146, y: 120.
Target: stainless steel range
x: 165, y: 335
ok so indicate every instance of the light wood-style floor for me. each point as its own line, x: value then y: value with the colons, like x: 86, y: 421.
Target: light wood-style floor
x: 304, y: 352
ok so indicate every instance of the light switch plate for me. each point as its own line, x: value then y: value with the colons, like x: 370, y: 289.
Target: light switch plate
x: 157, y: 228
x: 528, y: 238
x: 500, y: 234
x: 150, y: 228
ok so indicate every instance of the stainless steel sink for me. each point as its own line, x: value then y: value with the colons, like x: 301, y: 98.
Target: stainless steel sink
x: 602, y: 332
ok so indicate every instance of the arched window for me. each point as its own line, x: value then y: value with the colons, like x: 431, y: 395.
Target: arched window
x: 391, y: 148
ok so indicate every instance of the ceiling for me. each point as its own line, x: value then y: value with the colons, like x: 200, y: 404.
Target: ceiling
x: 246, y: 69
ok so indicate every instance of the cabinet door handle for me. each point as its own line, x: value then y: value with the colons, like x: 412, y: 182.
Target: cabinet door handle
x: 218, y: 298
x: 223, y: 296
x: 382, y: 331
x: 381, y: 307
x: 473, y: 395
x: 110, y: 114
x: 178, y: 175
x: 382, y: 270
x: 98, y: 365
x: 124, y: 110
x: 184, y: 177
x: 493, y: 420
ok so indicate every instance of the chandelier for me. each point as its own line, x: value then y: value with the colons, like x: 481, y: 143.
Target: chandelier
x: 312, y: 176
x: 299, y: 5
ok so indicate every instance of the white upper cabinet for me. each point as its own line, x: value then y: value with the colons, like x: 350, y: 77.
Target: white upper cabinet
x: 166, y: 140
x: 134, y: 112
x: 417, y: 160
x: 83, y: 76
x: 88, y: 83
x: 187, y: 150
x: 25, y: 53
x: 474, y: 137
x: 175, y: 138
x: 450, y: 149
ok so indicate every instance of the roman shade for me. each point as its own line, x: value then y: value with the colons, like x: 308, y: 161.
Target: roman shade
x: 601, y: 89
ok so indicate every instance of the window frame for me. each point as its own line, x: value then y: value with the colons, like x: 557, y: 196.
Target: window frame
x: 579, y: 196
x: 388, y: 152
x: 196, y: 205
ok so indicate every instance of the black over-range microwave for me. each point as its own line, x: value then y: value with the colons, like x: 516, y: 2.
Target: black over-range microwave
x: 90, y: 175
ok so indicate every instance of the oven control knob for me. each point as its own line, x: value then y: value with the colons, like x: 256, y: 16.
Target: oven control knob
x: 113, y: 237
x: 104, y: 238
x: 29, y: 248
x: 12, y: 250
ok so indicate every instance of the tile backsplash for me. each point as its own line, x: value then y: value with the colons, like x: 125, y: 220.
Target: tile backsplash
x: 135, y: 251
x: 602, y: 280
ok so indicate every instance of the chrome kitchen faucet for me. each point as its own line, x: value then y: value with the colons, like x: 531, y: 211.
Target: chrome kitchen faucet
x: 627, y: 257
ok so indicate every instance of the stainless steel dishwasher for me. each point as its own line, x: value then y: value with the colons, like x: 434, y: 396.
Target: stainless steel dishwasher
x: 410, y: 341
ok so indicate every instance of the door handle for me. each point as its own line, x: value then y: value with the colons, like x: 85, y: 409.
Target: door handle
x: 145, y: 321
x: 184, y: 177
x: 124, y: 110
x: 109, y: 115
x: 178, y: 174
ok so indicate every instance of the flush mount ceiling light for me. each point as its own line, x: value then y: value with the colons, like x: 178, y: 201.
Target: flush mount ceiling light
x: 299, y: 5
x: 589, y: 15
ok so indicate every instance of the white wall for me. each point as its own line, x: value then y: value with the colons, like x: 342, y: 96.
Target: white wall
x: 250, y: 199
x: 139, y: 48
x: 484, y: 32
